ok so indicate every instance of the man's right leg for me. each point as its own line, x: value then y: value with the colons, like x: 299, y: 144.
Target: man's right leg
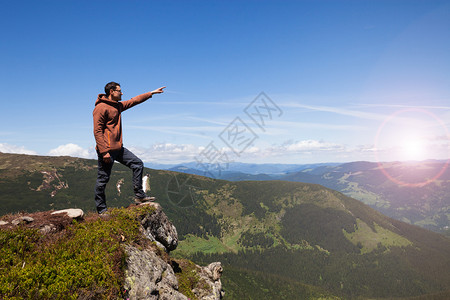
x: 103, y: 175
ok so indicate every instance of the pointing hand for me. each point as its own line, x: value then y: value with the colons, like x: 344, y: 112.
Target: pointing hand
x: 159, y: 91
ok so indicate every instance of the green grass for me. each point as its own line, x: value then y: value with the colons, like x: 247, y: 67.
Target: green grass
x: 369, y: 240
x: 192, y: 244
x: 84, y: 260
x: 188, y: 278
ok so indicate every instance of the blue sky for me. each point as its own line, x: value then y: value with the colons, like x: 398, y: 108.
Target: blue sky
x: 333, y: 81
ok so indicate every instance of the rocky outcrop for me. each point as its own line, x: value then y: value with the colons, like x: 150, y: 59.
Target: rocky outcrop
x: 150, y: 272
x: 149, y: 276
x: 159, y: 229
x: 51, y: 181
x: 210, y: 275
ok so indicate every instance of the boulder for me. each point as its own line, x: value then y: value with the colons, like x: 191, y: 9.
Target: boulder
x: 74, y: 213
x: 158, y: 228
x: 24, y: 219
x: 210, y: 275
x: 149, y: 277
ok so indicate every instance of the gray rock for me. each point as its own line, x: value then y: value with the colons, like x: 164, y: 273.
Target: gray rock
x: 157, y: 227
x: 24, y: 219
x: 74, y: 213
x: 214, y: 270
x: 149, y: 277
x: 212, y: 286
x: 47, y: 228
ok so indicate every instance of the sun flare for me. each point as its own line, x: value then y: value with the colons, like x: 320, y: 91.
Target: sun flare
x: 413, y: 149
x: 412, y: 134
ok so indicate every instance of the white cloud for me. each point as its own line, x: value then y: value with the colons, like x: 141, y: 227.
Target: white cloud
x: 72, y: 150
x: 307, y: 151
x: 167, y: 153
x: 311, y: 145
x: 292, y: 151
x: 289, y: 151
x: 6, y: 148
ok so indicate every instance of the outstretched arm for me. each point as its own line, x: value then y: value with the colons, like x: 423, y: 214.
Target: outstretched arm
x: 140, y: 98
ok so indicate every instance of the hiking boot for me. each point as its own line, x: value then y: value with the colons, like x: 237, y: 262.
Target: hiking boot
x: 104, y: 215
x: 139, y: 200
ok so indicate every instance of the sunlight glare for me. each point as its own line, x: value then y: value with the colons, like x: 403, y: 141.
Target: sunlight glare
x: 415, y: 135
x: 413, y: 148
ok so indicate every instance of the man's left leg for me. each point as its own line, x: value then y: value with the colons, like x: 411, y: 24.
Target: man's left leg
x: 137, y: 166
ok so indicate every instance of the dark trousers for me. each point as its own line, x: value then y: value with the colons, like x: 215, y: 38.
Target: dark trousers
x: 125, y: 157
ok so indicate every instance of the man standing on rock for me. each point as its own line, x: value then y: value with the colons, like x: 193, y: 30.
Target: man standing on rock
x: 108, y: 137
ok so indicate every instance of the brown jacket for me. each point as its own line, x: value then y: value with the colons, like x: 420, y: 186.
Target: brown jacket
x: 107, y: 121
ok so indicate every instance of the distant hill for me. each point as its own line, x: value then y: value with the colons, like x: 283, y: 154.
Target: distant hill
x: 225, y: 175
x: 427, y: 206
x: 275, y: 238
x: 212, y: 170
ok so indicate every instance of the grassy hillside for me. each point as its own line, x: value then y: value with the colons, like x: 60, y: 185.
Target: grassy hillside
x: 303, y: 237
x: 412, y: 201
x: 322, y: 238
x: 427, y: 205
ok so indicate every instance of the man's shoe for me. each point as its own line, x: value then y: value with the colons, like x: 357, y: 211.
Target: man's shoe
x: 104, y: 214
x: 138, y: 200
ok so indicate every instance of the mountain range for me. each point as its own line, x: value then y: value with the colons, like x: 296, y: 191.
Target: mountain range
x: 413, y: 192
x: 276, y: 239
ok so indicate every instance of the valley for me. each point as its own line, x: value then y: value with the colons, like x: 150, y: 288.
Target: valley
x: 276, y: 239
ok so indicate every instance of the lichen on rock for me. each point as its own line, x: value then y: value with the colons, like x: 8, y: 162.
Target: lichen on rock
x: 149, y: 276
x: 159, y: 229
